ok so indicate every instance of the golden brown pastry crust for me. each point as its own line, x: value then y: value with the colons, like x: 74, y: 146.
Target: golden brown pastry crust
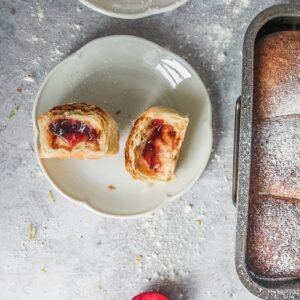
x: 106, y: 143
x: 277, y: 75
x: 140, y: 133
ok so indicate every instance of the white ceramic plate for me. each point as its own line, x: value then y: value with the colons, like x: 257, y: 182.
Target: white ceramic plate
x: 126, y: 74
x: 132, y: 9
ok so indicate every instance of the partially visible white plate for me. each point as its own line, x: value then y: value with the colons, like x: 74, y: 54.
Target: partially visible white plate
x: 132, y: 9
x: 127, y: 75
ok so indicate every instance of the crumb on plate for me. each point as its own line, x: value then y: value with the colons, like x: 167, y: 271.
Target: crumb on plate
x: 111, y: 187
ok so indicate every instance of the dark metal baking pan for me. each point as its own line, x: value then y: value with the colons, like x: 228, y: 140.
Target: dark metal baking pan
x: 275, y: 18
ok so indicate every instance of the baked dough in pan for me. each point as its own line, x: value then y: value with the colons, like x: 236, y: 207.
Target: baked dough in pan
x: 277, y: 75
x: 276, y: 158
x: 274, y: 237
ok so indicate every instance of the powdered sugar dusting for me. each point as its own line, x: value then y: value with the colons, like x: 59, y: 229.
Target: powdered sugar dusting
x: 282, y: 100
x: 274, y: 237
x: 277, y: 85
x: 276, y: 159
x: 273, y: 245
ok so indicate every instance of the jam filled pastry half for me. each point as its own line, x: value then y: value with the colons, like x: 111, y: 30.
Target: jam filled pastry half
x: 77, y: 130
x: 154, y: 143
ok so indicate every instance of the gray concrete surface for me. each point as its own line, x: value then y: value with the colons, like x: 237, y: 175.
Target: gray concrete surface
x: 186, y: 249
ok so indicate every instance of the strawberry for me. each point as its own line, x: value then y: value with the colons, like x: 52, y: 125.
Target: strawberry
x: 150, y: 296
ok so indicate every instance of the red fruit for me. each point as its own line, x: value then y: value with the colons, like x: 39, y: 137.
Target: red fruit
x: 150, y: 296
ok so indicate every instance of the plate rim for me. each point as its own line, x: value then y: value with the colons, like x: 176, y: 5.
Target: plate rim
x: 77, y: 54
x: 146, y: 13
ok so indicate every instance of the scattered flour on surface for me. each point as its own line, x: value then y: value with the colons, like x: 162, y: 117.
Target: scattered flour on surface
x: 236, y: 6
x: 56, y: 54
x: 240, y: 6
x: 36, y: 60
x: 227, y: 2
x: 28, y: 78
x: 221, y: 58
x: 32, y: 39
x: 77, y: 26
x: 38, y: 12
x: 187, y: 208
x: 218, y: 39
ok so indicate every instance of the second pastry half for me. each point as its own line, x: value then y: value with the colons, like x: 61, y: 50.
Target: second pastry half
x: 154, y: 143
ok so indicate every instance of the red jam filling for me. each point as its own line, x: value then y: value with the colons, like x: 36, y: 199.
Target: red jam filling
x: 73, y: 131
x: 162, y: 134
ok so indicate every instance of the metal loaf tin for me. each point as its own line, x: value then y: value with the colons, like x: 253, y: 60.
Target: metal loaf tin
x: 275, y: 18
